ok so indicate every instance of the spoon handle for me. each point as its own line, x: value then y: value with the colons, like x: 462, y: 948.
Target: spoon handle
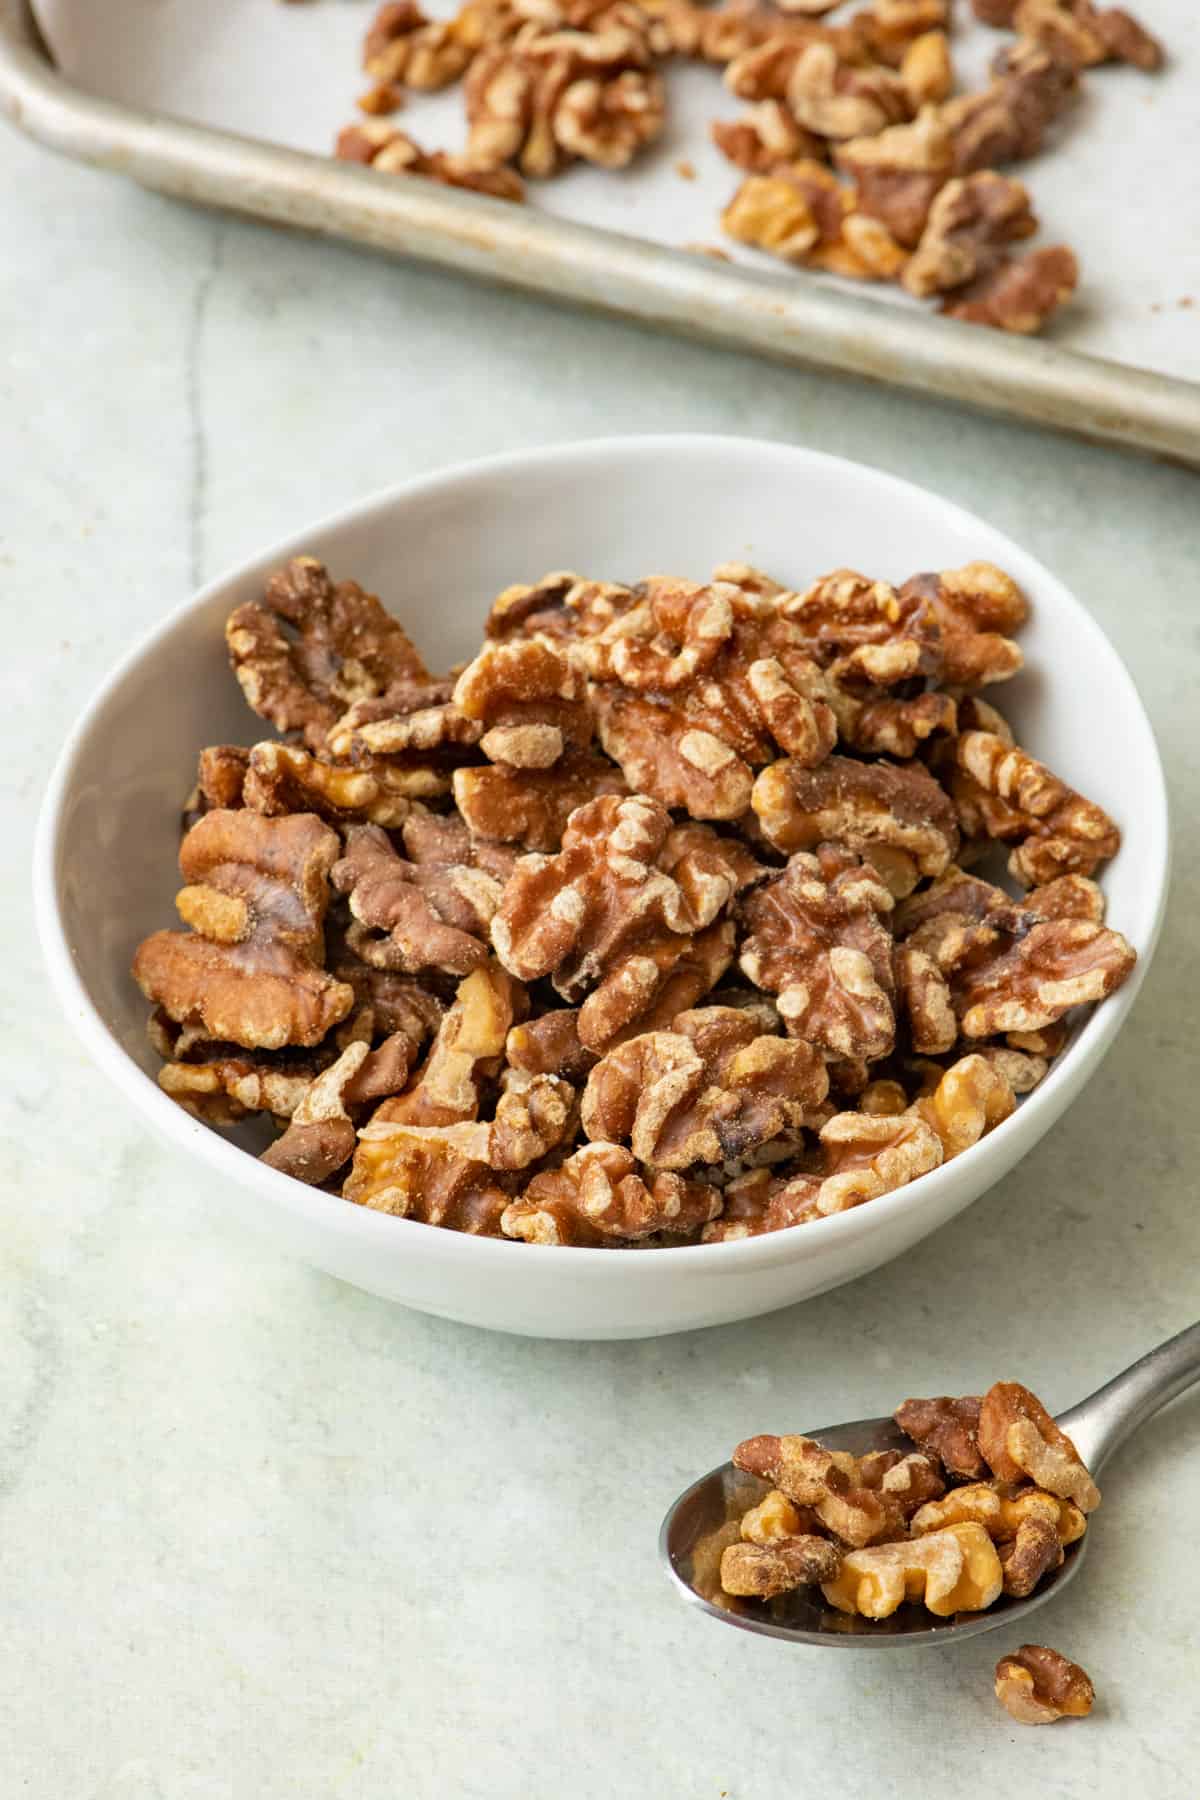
x: 1106, y: 1418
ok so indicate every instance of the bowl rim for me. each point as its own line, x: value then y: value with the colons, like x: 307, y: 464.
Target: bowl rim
x: 1061, y: 1085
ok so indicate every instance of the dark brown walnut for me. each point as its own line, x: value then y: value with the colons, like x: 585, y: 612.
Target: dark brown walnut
x: 762, y: 1571
x: 1081, y: 33
x: 764, y: 137
x: 970, y: 222
x: 549, y: 1045
x: 947, y: 1429
x: 1032, y: 1553
x: 894, y: 814
x: 311, y: 648
x: 412, y: 1175
x: 283, y: 778
x: 600, y: 1197
x: 250, y: 969
x: 897, y: 172
x: 560, y: 605
x: 613, y: 913
x: 712, y: 1089
x: 1007, y: 121
x: 529, y: 700
x: 811, y: 1476
x: 380, y: 145
x: 531, y: 807
x: 1057, y: 831
x: 698, y: 686
x: 411, y: 915
x: 976, y: 608
x: 1020, y: 293
x: 1037, y: 1686
x: 321, y: 1134
x: 1019, y: 1440
x: 837, y: 99
x: 817, y: 938
x: 220, y: 776
x: 467, y: 1053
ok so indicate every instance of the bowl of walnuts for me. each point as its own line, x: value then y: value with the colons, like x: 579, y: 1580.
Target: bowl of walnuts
x: 612, y: 889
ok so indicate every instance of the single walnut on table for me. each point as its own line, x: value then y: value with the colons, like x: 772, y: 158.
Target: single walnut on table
x: 1038, y: 1686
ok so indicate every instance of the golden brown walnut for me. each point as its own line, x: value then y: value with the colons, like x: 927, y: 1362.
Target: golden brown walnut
x: 311, y: 648
x: 776, y: 1517
x: 1078, y: 32
x: 926, y: 70
x: 1056, y: 966
x: 699, y: 685
x: 380, y: 145
x: 976, y: 608
x: 955, y: 1570
x: 711, y: 1089
x: 249, y: 971
x: 1037, y: 1685
x: 947, y: 1429
x: 913, y: 1481
x: 799, y: 211
x: 467, y: 1051
x: 810, y: 1476
x: 283, y: 778
x: 888, y: 27
x: 384, y: 1002
x: 533, y: 1115
x: 894, y: 814
x: 863, y: 630
x: 764, y: 137
x: 1058, y: 832
x: 220, y: 777
x: 1001, y: 1512
x: 562, y: 605
x: 835, y: 99
x: 411, y: 738
x: 529, y: 700
x: 1019, y: 1440
x: 763, y: 1571
x: 599, y: 1197
x: 1020, y: 293
x: 410, y: 916
x: 1007, y: 121
x: 607, y: 120
x: 415, y: 1176
x: 969, y: 223
x: 971, y: 1099
x: 816, y: 938
x: 403, y: 47
x: 221, y: 1084
x: 531, y: 807
x: 616, y: 910
x: 897, y: 172
x: 1035, y: 1551
x: 550, y: 1045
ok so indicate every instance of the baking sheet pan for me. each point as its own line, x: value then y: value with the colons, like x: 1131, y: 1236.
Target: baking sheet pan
x: 233, y: 104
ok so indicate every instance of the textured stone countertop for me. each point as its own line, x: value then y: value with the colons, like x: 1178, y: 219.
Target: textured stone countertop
x: 263, y: 1537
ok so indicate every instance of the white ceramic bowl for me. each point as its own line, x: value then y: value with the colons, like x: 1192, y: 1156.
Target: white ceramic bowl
x: 438, y: 549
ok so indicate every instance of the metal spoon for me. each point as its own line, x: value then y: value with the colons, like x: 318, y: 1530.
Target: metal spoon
x: 1097, y: 1425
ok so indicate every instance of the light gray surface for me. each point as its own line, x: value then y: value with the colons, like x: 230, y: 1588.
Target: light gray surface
x: 263, y: 1536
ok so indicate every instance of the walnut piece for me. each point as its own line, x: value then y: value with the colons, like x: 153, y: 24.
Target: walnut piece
x: 765, y: 1570
x: 1007, y: 121
x: 710, y: 1089
x: 467, y: 1051
x: 947, y: 1429
x: 321, y: 1134
x: 427, y: 914
x: 1058, y: 832
x: 249, y: 971
x: 810, y: 1476
x: 528, y: 697
x: 415, y: 1176
x: 894, y: 814
x: 969, y: 223
x: 897, y: 172
x: 599, y: 1197
x: 1000, y: 1511
x: 383, y: 146
x: 1019, y: 1440
x: 220, y: 778
x: 976, y: 608
x: 764, y: 137
x: 838, y: 100
x: 1078, y: 32
x: 1020, y: 293
x: 955, y: 1570
x: 311, y: 648
x: 403, y: 47
x: 282, y: 778
x: 800, y: 212
x: 1037, y: 1685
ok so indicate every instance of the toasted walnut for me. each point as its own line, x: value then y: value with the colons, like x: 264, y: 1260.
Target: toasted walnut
x: 1059, y: 832
x: 530, y: 701
x: 969, y: 222
x: 409, y: 916
x: 699, y: 685
x: 560, y: 605
x: 531, y: 807
x: 282, y: 778
x: 975, y: 609
x: 1007, y: 121
x: 221, y: 1084
x: 414, y: 725
x: 533, y: 1116
x: 889, y: 27
x: 1035, y: 1551
x: 863, y: 630
x: 816, y: 938
x: 321, y: 1134
x: 810, y: 1476
x: 837, y: 100
x: 1000, y: 1512
x: 311, y: 648
x: 893, y: 813
x: 1078, y: 32
x: 710, y: 1089
x: 868, y: 1156
x: 383, y: 146
x: 947, y: 1429
x: 971, y: 1099
x: 1057, y: 965
x: 404, y: 47
x: 385, y: 1003
x: 924, y: 996
x: 800, y: 212
x: 1020, y: 293
x: 776, y: 1517
x: 764, y: 137
x: 765, y: 1570
x: 955, y: 1570
x: 604, y: 918
x: 897, y: 172
x: 220, y: 777
x: 607, y: 122
x: 550, y: 1045
x: 926, y: 70
x: 600, y: 1197
x: 1018, y: 1438
x: 763, y: 59
x: 249, y: 971
x: 911, y: 1482
x: 1036, y: 1686
x: 467, y: 1051
x: 415, y: 1176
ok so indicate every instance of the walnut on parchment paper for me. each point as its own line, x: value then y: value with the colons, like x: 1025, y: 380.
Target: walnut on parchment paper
x: 405, y: 48
x: 310, y: 648
x: 817, y: 938
x: 897, y: 172
x: 926, y: 69
x: 1038, y: 1686
x: 764, y: 137
x: 696, y: 686
x: 969, y: 223
x: 1079, y: 32
x: 249, y: 971
x: 836, y: 99
x: 600, y: 1197
x: 1020, y: 293
x: 802, y: 213
x: 380, y: 145
x: 894, y: 814
x: 1007, y: 120
x: 713, y: 1088
x: 1019, y: 1440
x: 612, y: 914
x: 431, y: 912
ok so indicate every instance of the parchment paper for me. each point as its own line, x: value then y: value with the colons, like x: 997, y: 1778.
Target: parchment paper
x: 1120, y: 186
